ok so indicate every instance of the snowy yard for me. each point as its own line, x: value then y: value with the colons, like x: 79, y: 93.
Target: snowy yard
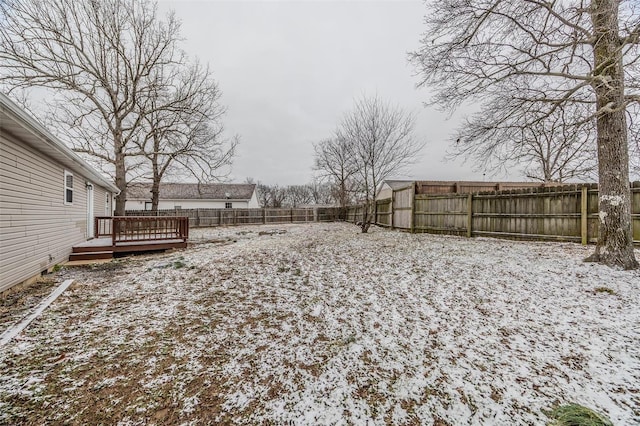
x: 323, y: 325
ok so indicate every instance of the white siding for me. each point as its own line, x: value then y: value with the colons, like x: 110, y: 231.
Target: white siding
x: 253, y: 202
x: 385, y: 192
x: 37, y: 230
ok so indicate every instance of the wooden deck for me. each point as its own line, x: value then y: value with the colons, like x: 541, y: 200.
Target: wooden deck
x: 132, y: 234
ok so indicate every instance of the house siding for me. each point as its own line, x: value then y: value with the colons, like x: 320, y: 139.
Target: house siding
x: 37, y: 230
x: 385, y: 192
x: 253, y: 202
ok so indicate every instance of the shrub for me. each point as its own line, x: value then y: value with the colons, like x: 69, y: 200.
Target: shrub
x: 604, y: 290
x: 576, y: 415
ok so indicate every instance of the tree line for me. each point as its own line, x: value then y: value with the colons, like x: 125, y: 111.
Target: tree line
x: 276, y: 196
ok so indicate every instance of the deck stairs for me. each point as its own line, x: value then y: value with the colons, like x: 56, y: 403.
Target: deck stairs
x: 101, y: 248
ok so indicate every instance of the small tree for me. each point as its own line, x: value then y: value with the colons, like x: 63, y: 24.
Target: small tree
x: 322, y: 192
x: 298, y: 194
x: 271, y: 195
x: 381, y: 142
x: 263, y: 195
x: 334, y: 160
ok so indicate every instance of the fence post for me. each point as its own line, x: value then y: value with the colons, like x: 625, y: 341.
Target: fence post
x: 393, y: 199
x: 469, y: 215
x: 413, y: 208
x: 113, y: 230
x: 375, y: 211
x: 583, y: 215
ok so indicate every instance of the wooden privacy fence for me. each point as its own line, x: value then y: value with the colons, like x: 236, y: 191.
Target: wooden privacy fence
x: 222, y: 217
x: 562, y: 213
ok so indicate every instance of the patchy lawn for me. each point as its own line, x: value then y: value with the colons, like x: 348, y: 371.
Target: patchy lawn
x: 323, y: 325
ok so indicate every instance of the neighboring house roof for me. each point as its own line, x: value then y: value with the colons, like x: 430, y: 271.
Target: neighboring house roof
x: 15, y: 121
x: 193, y: 191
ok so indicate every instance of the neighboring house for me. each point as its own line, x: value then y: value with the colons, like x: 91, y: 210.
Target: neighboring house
x: 194, y: 196
x: 49, y: 197
x: 448, y: 187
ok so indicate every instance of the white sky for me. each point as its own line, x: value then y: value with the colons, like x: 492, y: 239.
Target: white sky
x: 289, y: 70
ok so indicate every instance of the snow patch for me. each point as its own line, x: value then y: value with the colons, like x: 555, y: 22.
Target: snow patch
x: 320, y: 325
x: 614, y: 200
x: 602, y: 216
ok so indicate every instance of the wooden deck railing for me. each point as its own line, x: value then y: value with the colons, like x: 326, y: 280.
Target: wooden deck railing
x: 123, y: 229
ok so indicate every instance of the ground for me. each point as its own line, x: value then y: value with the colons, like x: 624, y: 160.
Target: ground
x: 320, y: 324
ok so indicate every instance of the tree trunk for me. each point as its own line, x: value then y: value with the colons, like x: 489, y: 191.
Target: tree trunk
x: 366, y: 217
x: 615, y: 237
x: 157, y: 176
x: 155, y: 195
x: 121, y: 183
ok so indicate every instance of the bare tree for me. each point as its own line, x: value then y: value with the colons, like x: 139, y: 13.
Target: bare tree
x: 263, y: 195
x: 532, y: 52
x: 277, y: 196
x: 184, y: 134
x: 334, y: 161
x: 298, y: 194
x: 97, y: 56
x: 557, y: 147
x: 271, y: 195
x: 381, y: 142
x: 323, y: 192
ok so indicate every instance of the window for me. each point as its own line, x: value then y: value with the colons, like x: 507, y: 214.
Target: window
x: 148, y: 205
x: 68, y: 187
x: 228, y: 205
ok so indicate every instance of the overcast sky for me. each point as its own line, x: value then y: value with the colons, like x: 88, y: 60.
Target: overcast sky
x: 290, y: 70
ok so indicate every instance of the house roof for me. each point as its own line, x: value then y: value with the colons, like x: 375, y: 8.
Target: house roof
x: 193, y: 191
x: 17, y: 122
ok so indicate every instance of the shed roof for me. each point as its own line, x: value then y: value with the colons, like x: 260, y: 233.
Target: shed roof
x: 17, y: 122
x: 398, y: 184
x: 194, y: 191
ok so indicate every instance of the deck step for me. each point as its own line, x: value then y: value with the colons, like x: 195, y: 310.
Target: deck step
x: 91, y: 249
x: 95, y: 255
